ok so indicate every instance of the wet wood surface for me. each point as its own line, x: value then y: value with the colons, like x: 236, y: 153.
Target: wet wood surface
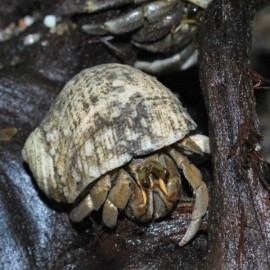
x: 239, y: 217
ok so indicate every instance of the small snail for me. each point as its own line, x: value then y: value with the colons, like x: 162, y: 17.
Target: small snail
x: 115, y: 138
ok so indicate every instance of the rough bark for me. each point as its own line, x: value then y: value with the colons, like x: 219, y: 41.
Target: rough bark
x: 239, y: 217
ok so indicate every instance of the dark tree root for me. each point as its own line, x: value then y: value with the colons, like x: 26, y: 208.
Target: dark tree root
x: 239, y: 216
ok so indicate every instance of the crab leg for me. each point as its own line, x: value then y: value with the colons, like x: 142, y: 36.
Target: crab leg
x: 201, y: 3
x: 183, y: 60
x: 194, y: 177
x: 93, y: 200
x: 198, y: 144
x: 117, y: 198
x: 97, y: 5
x: 90, y: 6
x: 134, y: 19
x: 154, y: 31
x: 179, y: 38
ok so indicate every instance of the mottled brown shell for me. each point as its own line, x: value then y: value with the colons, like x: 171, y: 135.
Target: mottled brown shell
x: 104, y: 116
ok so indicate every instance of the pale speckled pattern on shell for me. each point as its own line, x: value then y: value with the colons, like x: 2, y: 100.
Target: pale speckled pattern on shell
x: 104, y: 116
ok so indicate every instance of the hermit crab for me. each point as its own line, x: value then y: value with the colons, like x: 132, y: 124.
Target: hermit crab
x: 166, y: 27
x: 117, y: 139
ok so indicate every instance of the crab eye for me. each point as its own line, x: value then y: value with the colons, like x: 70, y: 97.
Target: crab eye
x: 145, y: 183
x: 166, y: 174
x: 192, y: 12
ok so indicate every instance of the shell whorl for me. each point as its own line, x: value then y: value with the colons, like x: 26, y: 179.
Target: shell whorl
x: 41, y: 163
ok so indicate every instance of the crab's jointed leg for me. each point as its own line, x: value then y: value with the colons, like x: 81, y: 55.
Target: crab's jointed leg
x: 194, y: 177
x: 117, y: 198
x: 183, y: 60
x: 134, y: 19
x: 97, y: 5
x: 102, y: 193
x: 198, y: 144
x: 154, y: 31
x: 92, y: 201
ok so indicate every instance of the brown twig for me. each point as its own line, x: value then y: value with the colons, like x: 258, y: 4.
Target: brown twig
x: 239, y: 217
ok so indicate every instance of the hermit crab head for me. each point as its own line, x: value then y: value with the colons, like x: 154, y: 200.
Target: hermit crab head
x: 117, y: 139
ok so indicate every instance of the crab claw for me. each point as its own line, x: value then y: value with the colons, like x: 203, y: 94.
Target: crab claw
x: 194, y: 177
x: 199, y: 210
